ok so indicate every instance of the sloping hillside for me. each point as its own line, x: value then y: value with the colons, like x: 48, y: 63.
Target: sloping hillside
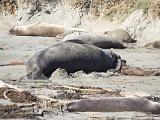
x: 139, y: 17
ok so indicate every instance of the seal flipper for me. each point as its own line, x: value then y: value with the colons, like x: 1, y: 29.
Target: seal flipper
x: 37, y: 75
x: 69, y: 107
x: 34, y: 76
x: 119, y: 65
x: 79, y: 42
x: 76, y: 41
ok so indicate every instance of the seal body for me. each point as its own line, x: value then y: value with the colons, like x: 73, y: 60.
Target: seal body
x: 121, y: 35
x: 155, y: 44
x: 115, y: 104
x: 72, y: 57
x: 100, y: 41
x: 41, y: 29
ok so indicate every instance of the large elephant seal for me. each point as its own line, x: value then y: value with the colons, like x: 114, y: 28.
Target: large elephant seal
x: 121, y: 35
x: 100, y: 41
x: 41, y: 29
x: 115, y: 104
x: 72, y: 57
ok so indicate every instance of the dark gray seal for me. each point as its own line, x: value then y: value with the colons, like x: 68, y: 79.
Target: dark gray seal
x: 101, y: 41
x: 115, y: 104
x: 72, y: 57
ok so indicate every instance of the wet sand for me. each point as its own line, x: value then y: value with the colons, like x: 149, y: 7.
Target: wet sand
x: 23, y: 47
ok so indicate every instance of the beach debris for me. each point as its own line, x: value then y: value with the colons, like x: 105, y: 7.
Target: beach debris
x: 140, y: 71
x: 12, y: 63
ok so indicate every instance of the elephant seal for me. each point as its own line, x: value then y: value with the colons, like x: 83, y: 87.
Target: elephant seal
x: 115, y: 104
x: 101, y: 41
x: 72, y: 57
x: 121, y: 35
x: 41, y: 29
x: 155, y: 44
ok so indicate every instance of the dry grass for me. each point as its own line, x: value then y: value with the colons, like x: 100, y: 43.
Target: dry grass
x: 108, y: 9
x: 118, y: 9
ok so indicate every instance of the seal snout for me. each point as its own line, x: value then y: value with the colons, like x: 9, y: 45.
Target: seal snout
x: 78, y: 106
x: 12, y: 31
x: 69, y: 107
x: 133, y: 41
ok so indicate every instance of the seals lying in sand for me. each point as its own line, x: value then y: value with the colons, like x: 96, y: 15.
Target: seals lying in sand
x: 115, y: 104
x: 155, y: 44
x: 121, y: 35
x: 100, y: 41
x: 72, y: 57
x: 41, y: 29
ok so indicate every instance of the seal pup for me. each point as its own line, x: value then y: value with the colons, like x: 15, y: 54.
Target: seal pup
x: 121, y: 35
x: 101, y: 41
x: 41, y: 29
x: 115, y: 104
x: 72, y: 57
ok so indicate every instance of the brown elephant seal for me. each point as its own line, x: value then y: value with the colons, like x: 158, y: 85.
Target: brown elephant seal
x: 101, y: 41
x: 155, y: 44
x: 41, y: 29
x: 121, y: 35
x: 72, y: 57
x: 115, y: 104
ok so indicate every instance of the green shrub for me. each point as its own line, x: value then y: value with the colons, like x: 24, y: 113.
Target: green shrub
x: 142, y: 4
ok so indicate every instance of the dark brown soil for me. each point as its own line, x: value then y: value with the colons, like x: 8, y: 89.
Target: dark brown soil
x: 68, y: 95
x: 79, y: 92
x: 2, y: 90
x: 21, y: 97
x: 16, y: 96
x: 140, y: 71
x: 14, y: 112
